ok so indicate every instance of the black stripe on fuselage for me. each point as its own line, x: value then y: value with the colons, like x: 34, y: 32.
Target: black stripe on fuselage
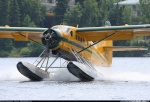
x: 75, y: 44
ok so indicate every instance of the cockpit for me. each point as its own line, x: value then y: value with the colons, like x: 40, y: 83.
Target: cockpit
x: 62, y: 28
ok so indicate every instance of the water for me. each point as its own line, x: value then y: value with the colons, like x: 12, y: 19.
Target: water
x: 127, y: 79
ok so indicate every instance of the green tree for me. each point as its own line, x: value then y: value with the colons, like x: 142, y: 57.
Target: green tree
x: 34, y: 9
x: 128, y: 15
x: 35, y: 49
x: 30, y: 9
x: 6, y: 46
x: 38, y: 12
x: 60, y: 10
x: 90, y: 13
x: 79, y: 1
x: 27, y: 22
x: 73, y: 15
x: 145, y: 9
x: 4, y: 12
x: 115, y: 15
x: 50, y: 1
x: 105, y: 6
x: 19, y: 13
x: 14, y: 13
x: 24, y: 6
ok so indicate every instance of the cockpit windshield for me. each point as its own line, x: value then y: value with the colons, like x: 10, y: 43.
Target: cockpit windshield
x: 62, y: 28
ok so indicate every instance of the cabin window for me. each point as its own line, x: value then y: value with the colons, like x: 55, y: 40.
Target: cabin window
x: 71, y: 34
x: 78, y: 38
x: 83, y: 40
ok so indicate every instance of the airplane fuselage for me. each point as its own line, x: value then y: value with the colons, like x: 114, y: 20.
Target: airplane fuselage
x: 70, y: 41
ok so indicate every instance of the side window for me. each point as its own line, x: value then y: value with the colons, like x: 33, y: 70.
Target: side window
x: 71, y: 33
x: 76, y: 37
x: 83, y: 40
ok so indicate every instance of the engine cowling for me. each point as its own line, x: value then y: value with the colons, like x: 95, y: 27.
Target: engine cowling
x: 51, y: 38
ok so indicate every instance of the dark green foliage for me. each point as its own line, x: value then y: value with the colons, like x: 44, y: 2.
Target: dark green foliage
x: 60, y: 10
x: 5, y: 47
x: 3, y: 53
x: 34, y: 9
x: 115, y: 15
x: 85, y: 13
x: 91, y: 13
x: 25, y: 51
x: 27, y: 22
x: 35, y: 49
x: 73, y: 16
x: 128, y: 15
x: 50, y: 1
x: 14, y: 13
x: 4, y: 16
x: 105, y: 7
x: 29, y: 13
x: 79, y: 1
x: 5, y: 44
x: 145, y: 8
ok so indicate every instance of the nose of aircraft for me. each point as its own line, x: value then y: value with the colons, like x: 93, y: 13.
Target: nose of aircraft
x: 51, y: 38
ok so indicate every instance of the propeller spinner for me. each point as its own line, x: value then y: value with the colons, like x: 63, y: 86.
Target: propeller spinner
x: 51, y: 38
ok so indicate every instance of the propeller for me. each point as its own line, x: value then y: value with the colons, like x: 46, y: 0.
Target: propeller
x: 47, y: 38
x: 50, y: 38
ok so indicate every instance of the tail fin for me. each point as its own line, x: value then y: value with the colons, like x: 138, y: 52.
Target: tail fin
x: 106, y: 48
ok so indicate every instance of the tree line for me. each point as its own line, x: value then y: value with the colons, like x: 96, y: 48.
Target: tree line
x: 84, y: 13
x: 20, y: 13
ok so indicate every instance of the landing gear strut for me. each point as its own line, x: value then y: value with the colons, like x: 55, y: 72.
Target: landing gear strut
x: 39, y: 69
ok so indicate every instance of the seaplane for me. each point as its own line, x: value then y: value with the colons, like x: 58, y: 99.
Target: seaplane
x: 81, y: 48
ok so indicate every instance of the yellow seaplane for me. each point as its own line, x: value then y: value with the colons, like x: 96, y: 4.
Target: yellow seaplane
x: 82, y: 48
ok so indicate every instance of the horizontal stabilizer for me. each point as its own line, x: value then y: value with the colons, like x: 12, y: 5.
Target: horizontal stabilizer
x: 125, y: 48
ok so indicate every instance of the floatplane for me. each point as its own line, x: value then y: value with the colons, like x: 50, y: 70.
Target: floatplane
x: 82, y: 48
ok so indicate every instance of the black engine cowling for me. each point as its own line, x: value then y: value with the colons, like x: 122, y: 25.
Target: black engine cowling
x: 51, y: 38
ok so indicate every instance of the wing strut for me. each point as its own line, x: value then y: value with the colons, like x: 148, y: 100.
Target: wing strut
x: 97, y: 42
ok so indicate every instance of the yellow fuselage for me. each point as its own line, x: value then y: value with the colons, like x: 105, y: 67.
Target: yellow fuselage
x: 96, y: 54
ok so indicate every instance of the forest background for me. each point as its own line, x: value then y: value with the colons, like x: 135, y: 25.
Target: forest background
x: 85, y: 13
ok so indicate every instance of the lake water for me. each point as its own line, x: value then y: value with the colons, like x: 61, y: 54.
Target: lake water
x: 127, y: 79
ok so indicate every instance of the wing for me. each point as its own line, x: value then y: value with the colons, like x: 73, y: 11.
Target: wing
x: 21, y: 33
x: 113, y: 32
